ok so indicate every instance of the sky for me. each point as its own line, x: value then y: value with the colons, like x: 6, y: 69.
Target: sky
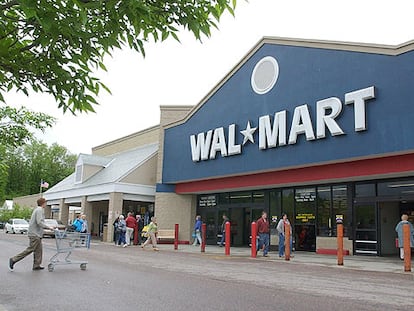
x: 174, y: 73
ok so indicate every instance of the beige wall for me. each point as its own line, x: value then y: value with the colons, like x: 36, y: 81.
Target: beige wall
x: 89, y: 171
x: 114, y: 210
x: 171, y: 209
x: 27, y: 201
x: 168, y: 115
x: 331, y: 243
x: 144, y: 137
x: 144, y: 174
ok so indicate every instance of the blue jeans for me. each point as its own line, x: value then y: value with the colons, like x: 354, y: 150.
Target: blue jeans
x: 264, y: 241
x: 282, y: 244
x: 121, y: 240
x: 223, y: 237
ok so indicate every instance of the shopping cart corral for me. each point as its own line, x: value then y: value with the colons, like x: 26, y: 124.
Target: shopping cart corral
x: 66, y: 242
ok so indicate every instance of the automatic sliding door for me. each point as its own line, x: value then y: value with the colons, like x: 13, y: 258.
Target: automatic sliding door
x: 366, y: 241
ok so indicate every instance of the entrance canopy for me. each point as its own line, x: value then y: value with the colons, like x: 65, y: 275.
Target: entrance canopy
x: 131, y: 173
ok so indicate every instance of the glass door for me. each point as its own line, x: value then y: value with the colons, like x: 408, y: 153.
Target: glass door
x: 250, y: 215
x: 366, y: 241
x: 305, y: 219
x: 209, y: 218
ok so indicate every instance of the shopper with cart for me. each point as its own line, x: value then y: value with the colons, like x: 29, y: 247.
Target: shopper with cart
x: 35, y: 234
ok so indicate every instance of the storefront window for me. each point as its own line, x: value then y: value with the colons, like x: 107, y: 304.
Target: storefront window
x: 305, y: 218
x: 240, y: 197
x: 340, y: 205
x: 288, y: 203
x: 365, y: 190
x: 324, y: 227
x: 224, y: 198
x: 208, y: 200
x: 397, y: 188
x: 258, y: 197
x: 275, y: 201
x: 305, y: 205
x: 275, y: 205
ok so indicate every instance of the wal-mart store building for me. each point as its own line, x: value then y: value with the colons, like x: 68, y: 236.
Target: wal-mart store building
x: 314, y: 129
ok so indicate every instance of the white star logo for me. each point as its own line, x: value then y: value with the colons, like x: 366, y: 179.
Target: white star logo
x: 248, y: 133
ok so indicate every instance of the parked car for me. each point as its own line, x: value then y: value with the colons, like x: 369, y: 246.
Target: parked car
x: 16, y: 225
x: 61, y: 225
x: 2, y: 224
x: 53, y: 224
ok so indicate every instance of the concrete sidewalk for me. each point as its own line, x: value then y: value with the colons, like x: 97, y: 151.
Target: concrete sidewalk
x: 365, y: 263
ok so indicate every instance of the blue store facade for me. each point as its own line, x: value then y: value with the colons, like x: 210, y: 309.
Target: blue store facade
x: 316, y: 129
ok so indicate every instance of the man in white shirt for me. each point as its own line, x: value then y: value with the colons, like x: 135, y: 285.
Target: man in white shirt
x: 35, y: 234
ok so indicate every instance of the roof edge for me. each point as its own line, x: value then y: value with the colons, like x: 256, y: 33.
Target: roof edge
x: 123, y: 138
x: 392, y: 50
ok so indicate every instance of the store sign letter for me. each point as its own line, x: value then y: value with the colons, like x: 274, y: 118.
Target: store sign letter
x: 205, y: 146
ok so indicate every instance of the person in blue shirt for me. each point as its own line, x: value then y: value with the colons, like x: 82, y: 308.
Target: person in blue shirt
x: 197, y: 230
x: 77, y: 223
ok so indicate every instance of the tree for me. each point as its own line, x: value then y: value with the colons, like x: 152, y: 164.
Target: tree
x: 16, y: 125
x: 18, y: 211
x: 29, y: 164
x: 54, y: 46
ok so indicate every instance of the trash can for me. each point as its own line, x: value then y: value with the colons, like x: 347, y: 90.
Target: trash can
x: 105, y: 233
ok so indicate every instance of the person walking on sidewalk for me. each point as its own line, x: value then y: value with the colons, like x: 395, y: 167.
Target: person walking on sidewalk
x: 116, y: 231
x: 399, y: 230
x: 197, y: 230
x: 35, y: 234
x: 130, y: 226
x: 152, y: 234
x: 281, y: 229
x: 140, y: 225
x: 263, y: 232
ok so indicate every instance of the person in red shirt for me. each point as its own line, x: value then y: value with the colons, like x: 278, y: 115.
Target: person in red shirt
x: 130, y: 226
x: 263, y: 233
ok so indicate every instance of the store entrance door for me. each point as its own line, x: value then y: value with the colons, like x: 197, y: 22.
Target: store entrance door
x: 366, y: 235
x: 250, y: 214
x: 389, y: 215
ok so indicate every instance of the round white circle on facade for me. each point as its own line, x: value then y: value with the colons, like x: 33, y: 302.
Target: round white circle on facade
x: 264, y: 75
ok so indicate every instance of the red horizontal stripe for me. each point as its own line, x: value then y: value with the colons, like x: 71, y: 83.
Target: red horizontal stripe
x: 320, y: 173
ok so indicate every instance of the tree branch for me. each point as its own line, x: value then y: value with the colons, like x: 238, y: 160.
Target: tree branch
x: 9, y: 4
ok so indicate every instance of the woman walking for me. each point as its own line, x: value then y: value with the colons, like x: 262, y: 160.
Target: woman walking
x: 152, y: 234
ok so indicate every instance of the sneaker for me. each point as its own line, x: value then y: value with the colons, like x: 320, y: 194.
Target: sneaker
x: 125, y: 245
x: 38, y: 268
x: 155, y: 249
x: 11, y: 264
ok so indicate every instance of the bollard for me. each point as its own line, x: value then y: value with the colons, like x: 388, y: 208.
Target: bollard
x: 407, y: 247
x: 203, y: 237
x: 287, y: 241
x: 254, y: 239
x: 340, y: 242
x: 227, y: 239
x: 176, y: 237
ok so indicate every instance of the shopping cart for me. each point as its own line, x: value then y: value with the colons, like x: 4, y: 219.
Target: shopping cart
x: 66, y: 242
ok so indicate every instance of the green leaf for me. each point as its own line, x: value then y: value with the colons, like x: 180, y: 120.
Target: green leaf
x: 56, y: 46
